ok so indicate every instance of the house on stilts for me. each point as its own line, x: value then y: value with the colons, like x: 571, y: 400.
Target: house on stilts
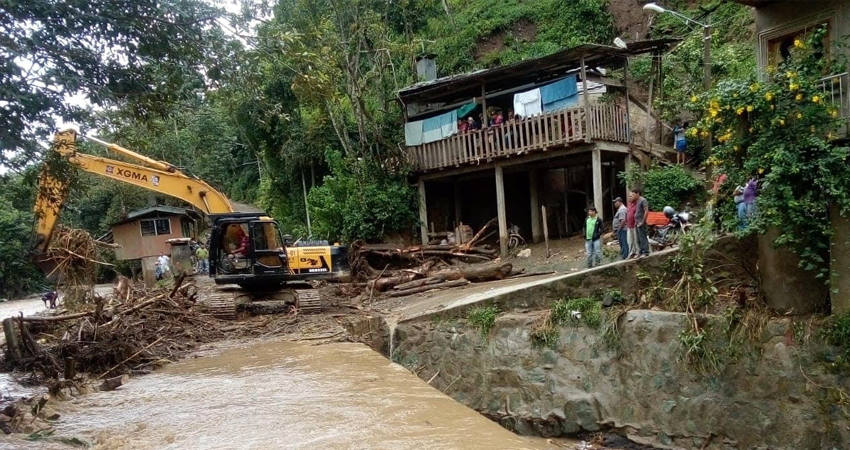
x: 550, y: 134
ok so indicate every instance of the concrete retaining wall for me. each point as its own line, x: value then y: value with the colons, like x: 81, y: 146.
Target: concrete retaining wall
x: 644, y: 391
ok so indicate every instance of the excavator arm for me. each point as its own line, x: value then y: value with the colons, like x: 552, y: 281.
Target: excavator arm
x: 157, y: 176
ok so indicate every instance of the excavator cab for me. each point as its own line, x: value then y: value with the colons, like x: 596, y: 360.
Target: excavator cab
x: 247, y: 249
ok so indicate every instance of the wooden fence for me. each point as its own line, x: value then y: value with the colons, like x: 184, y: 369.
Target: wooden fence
x: 555, y: 129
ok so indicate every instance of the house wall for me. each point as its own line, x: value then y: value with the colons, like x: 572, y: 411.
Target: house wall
x: 780, y: 18
x: 135, y: 246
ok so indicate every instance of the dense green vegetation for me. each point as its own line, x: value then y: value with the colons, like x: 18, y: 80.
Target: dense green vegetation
x: 664, y: 186
x: 303, y: 99
x: 781, y: 131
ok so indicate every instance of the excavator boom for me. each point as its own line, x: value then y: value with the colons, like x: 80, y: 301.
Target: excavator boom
x: 154, y: 175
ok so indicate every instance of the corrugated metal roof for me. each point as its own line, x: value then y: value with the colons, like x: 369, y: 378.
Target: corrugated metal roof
x: 468, y: 85
x: 158, y: 211
x: 755, y: 3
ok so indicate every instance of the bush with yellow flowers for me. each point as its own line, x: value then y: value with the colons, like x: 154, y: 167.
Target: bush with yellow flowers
x: 781, y: 130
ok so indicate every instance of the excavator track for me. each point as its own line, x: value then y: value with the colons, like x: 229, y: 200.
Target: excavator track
x: 308, y: 300
x: 224, y: 302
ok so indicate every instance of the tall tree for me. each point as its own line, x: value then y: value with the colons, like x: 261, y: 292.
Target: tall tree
x: 146, y: 54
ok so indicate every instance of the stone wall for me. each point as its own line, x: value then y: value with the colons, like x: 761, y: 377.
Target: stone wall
x: 644, y: 392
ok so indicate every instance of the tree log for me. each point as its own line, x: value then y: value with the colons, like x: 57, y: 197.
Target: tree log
x: 12, y: 346
x: 383, y: 284
x: 56, y: 318
x: 475, y: 272
x: 429, y: 287
x: 110, y: 384
x: 418, y: 283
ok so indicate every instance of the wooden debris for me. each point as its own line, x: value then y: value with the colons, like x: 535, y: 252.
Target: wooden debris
x: 113, y: 383
x: 429, y: 287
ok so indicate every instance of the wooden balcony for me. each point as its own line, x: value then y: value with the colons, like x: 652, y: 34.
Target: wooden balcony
x: 557, y: 129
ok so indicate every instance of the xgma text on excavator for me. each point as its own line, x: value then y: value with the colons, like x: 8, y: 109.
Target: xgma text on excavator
x: 246, y: 249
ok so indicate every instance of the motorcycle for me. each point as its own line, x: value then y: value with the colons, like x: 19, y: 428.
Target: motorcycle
x: 514, y: 238
x: 665, y: 236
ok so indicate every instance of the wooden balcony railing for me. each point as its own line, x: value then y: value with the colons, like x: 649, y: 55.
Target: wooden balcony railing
x: 555, y: 129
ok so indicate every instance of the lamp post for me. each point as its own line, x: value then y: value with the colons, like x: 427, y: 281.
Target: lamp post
x: 706, y: 49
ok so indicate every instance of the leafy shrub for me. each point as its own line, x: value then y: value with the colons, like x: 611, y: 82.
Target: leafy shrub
x: 483, y: 318
x: 361, y: 200
x: 18, y: 275
x: 782, y: 131
x: 663, y: 186
x: 836, y: 331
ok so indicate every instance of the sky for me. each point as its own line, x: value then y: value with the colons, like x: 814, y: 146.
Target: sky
x: 82, y: 100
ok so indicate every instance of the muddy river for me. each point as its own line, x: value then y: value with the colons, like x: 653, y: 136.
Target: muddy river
x: 279, y: 395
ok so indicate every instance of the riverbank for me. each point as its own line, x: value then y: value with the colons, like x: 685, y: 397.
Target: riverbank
x: 280, y: 394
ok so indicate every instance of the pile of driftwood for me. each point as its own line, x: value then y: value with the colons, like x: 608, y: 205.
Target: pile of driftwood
x: 401, y: 271
x: 129, y: 334
x: 430, y: 277
x: 366, y: 256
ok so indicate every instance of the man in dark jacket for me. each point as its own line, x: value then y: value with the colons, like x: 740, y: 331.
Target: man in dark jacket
x: 619, y: 226
x: 592, y: 235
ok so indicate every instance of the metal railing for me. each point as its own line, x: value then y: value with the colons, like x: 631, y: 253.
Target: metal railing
x: 835, y: 90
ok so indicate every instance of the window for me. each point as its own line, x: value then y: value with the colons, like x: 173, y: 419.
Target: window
x: 155, y: 227
x: 779, y: 48
x: 186, y: 227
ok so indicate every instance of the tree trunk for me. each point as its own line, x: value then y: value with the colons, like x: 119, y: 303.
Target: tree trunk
x: 430, y: 287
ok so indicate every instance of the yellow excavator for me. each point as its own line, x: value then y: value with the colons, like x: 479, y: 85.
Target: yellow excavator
x: 246, y: 249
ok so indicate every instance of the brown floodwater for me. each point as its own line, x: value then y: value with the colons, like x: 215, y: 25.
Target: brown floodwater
x: 280, y: 395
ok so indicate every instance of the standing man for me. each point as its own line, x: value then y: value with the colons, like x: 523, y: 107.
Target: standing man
x: 619, y: 225
x: 592, y: 234
x: 164, y: 265
x: 641, y: 213
x: 631, y: 231
x: 203, y: 262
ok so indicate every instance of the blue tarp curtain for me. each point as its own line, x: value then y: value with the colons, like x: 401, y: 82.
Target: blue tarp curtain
x: 560, y: 94
x: 431, y: 129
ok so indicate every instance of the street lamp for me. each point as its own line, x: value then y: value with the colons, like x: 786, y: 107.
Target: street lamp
x: 706, y: 39
x: 706, y: 49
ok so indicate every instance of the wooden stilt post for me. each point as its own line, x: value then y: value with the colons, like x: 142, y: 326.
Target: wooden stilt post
x: 535, y: 216
x: 597, y: 181
x: 502, y: 214
x: 545, y: 229
x: 566, y: 201
x: 457, y: 197
x: 585, y: 102
x: 423, y: 213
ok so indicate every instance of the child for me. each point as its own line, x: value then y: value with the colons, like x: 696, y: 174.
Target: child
x: 592, y: 235
x: 681, y: 143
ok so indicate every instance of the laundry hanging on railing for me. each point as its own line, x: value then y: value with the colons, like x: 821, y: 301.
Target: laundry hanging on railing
x: 413, y: 133
x: 560, y: 94
x: 431, y: 129
x: 527, y: 104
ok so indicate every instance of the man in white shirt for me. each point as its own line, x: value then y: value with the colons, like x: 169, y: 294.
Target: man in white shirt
x: 164, y: 265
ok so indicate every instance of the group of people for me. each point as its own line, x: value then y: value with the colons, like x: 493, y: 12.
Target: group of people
x: 496, y: 119
x: 745, y: 202
x: 629, y: 226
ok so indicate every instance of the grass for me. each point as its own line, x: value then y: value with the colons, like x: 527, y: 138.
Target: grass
x: 544, y: 333
x: 483, y: 318
x: 586, y: 310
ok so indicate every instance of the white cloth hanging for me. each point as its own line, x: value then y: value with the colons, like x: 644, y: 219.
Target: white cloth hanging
x: 527, y: 104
